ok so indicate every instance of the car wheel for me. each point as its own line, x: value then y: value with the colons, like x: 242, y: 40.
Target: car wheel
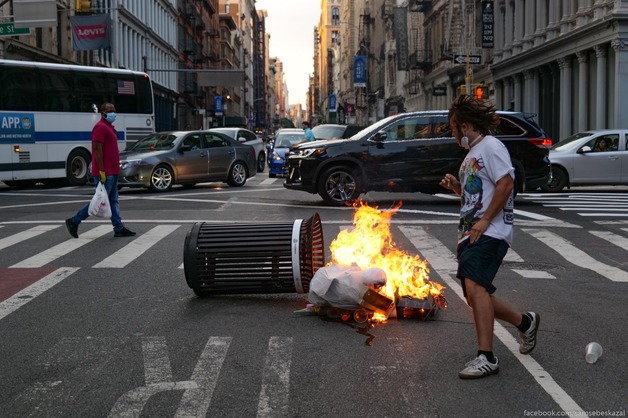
x: 162, y: 179
x: 261, y: 162
x: 558, y: 182
x: 237, y: 175
x: 77, y: 167
x: 339, y: 186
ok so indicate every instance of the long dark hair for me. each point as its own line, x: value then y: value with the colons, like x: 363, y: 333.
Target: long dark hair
x: 469, y: 109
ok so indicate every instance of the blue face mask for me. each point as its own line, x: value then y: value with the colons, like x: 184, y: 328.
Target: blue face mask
x: 111, y: 117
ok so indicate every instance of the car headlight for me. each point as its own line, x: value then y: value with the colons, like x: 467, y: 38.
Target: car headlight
x: 129, y: 163
x: 276, y: 156
x: 310, y: 152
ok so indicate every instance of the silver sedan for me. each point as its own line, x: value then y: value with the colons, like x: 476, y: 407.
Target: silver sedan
x: 589, y: 158
x: 163, y: 159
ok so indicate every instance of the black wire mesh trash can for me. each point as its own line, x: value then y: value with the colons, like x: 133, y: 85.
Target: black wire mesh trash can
x: 253, y: 258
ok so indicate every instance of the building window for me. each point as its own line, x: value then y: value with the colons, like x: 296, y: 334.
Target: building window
x: 335, y: 16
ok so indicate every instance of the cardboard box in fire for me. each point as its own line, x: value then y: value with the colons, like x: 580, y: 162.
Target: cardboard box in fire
x: 350, y: 288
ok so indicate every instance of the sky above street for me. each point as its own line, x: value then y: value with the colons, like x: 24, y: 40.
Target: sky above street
x: 290, y: 24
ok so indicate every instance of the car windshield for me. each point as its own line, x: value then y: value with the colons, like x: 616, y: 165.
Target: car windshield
x: 288, y: 140
x: 229, y: 132
x: 327, y: 132
x: 566, y: 143
x: 155, y: 142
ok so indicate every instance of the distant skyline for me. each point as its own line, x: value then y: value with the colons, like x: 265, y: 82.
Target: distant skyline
x: 290, y: 24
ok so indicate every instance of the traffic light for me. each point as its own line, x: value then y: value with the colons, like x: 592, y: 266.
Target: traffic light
x: 83, y: 5
x: 481, y: 92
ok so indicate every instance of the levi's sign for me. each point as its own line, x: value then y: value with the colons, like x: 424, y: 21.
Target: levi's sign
x: 473, y: 59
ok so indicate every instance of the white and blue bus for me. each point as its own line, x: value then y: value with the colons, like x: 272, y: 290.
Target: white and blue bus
x: 47, y: 112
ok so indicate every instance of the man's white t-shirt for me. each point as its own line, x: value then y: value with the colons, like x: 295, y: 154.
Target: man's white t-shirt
x: 485, y: 164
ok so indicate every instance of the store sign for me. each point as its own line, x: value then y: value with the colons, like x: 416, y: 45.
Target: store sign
x: 359, y: 71
x: 487, y: 24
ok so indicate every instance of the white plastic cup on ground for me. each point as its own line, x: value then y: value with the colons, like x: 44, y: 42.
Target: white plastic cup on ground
x: 593, y: 352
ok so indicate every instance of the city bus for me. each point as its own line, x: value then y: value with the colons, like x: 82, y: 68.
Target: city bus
x: 47, y: 112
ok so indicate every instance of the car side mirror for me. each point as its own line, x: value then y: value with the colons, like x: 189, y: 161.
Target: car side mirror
x: 185, y: 147
x: 380, y: 136
x: 584, y: 149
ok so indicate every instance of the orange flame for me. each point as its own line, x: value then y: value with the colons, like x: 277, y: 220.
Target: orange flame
x: 370, y: 244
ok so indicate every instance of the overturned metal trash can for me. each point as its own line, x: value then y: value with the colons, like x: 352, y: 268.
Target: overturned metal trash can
x: 253, y: 258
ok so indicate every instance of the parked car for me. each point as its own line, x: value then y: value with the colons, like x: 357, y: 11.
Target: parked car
x: 408, y: 152
x: 163, y: 159
x: 335, y: 131
x: 581, y: 159
x: 281, y: 143
x: 247, y: 137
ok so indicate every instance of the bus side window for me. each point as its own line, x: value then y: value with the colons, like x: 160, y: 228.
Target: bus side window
x: 19, y: 89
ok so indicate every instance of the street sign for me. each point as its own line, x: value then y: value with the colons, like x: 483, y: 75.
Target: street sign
x: 9, y: 29
x: 473, y: 59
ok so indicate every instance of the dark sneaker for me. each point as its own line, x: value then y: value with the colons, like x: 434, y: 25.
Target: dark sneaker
x: 479, y: 367
x: 72, y: 227
x: 527, y: 340
x: 124, y: 233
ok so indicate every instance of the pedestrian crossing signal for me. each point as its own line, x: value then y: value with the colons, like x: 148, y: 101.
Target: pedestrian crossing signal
x: 481, y: 92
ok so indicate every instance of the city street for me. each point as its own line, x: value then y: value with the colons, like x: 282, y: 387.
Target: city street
x: 107, y: 327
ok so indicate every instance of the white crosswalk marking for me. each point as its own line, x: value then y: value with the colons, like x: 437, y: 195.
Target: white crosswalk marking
x: 31, y: 292
x: 574, y: 255
x: 275, y: 394
x: 588, y: 205
x: 64, y: 248
x: 267, y: 181
x: 24, y: 235
x: 618, y: 240
x: 135, y: 248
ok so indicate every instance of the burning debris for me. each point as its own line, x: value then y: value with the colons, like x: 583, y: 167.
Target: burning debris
x: 370, y: 280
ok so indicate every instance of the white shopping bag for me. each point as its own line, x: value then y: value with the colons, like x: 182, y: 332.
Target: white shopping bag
x: 99, y: 206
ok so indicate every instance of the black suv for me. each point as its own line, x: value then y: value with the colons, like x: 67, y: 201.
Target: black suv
x: 409, y: 152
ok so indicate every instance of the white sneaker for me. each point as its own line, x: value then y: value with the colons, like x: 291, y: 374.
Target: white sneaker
x: 527, y: 340
x: 479, y: 367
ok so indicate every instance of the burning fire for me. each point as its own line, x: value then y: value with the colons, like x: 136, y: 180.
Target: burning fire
x: 370, y: 244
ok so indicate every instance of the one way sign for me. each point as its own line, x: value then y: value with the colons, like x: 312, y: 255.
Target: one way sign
x: 473, y: 59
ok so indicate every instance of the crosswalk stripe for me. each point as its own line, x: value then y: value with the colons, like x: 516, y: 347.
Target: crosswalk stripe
x: 621, y: 242
x: 28, y: 294
x: 444, y: 262
x: 574, y: 255
x: 274, y: 397
x: 135, y: 248
x: 64, y: 248
x: 23, y: 236
x: 267, y: 181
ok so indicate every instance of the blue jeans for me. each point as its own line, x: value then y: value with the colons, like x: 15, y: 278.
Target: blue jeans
x: 111, y: 185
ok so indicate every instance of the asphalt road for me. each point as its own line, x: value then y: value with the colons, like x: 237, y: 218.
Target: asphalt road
x: 104, y: 326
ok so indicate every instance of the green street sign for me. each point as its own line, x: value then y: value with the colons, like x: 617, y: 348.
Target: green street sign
x: 9, y: 29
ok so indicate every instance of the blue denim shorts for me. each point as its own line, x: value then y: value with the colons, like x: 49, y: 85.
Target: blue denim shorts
x: 480, y: 261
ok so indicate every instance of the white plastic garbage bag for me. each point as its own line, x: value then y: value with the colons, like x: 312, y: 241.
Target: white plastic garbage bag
x: 344, y: 286
x: 99, y: 206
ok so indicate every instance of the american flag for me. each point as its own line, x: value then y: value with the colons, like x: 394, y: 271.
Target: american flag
x: 126, y: 87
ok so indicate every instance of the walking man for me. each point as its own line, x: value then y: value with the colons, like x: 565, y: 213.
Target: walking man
x: 105, y: 168
x: 485, y: 231
x: 309, y: 135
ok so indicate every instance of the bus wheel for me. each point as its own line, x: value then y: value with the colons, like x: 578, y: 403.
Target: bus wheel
x: 78, y: 167
x: 161, y: 179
